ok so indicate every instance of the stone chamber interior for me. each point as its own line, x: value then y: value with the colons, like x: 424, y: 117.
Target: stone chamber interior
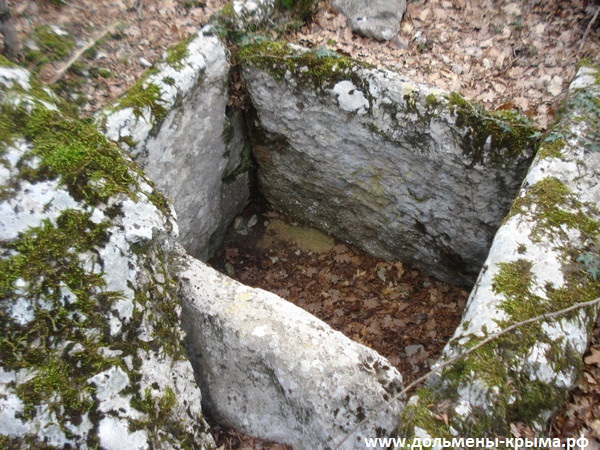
x: 402, y: 313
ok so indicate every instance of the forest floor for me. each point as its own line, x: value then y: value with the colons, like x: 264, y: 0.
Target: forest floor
x: 400, y: 312
x: 507, y: 54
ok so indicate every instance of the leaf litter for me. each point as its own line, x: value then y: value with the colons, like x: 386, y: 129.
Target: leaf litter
x: 507, y: 54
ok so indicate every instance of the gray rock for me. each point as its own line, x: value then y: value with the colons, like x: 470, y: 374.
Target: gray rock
x: 537, y: 265
x: 252, y: 11
x: 91, y: 345
x: 400, y: 169
x: 272, y: 370
x: 377, y: 19
x: 185, y: 141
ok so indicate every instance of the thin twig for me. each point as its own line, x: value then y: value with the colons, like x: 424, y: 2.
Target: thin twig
x: 587, y: 30
x: 443, y: 364
x: 60, y: 72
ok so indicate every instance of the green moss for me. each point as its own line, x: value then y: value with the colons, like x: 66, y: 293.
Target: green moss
x: 419, y: 414
x: 432, y: 101
x: 103, y: 73
x: 176, y: 54
x: 551, y: 149
x: 90, y: 166
x: 159, y: 416
x: 315, y: 69
x: 144, y: 95
x: 5, y: 62
x: 169, y: 81
x: 554, y: 208
x: 496, y: 137
x: 52, y: 46
x: 302, y: 9
x: 46, y: 260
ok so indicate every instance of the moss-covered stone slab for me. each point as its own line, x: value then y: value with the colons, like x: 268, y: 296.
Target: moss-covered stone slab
x: 403, y: 170
x: 176, y: 125
x: 90, y: 343
x: 544, y: 258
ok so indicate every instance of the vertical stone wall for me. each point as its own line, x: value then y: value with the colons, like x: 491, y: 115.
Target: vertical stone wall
x: 176, y: 125
x: 402, y: 170
x: 544, y: 258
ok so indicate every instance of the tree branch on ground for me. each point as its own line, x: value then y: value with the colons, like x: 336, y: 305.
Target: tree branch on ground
x: 443, y: 364
x: 60, y: 72
x: 587, y: 30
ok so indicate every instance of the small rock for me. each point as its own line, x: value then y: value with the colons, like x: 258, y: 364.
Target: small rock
x: 238, y: 223
x: 144, y: 62
x: 412, y: 350
x: 253, y: 221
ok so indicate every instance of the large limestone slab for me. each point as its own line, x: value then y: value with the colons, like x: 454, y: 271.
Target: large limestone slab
x: 270, y: 369
x: 90, y: 342
x: 176, y: 125
x: 400, y: 169
x: 542, y: 260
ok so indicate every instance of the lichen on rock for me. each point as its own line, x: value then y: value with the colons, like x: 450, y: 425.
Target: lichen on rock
x: 534, y: 267
x: 402, y: 170
x: 90, y: 342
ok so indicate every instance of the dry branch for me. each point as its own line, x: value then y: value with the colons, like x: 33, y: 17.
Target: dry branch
x: 443, y: 364
x: 587, y: 30
x: 60, y: 72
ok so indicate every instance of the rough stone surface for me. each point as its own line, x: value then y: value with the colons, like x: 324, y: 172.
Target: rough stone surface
x: 542, y: 260
x: 185, y: 140
x: 252, y: 11
x: 90, y: 343
x: 402, y: 170
x: 377, y: 19
x: 272, y: 370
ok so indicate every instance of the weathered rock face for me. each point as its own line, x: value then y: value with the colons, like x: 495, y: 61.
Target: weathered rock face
x: 404, y: 171
x: 542, y: 260
x: 271, y: 369
x: 90, y: 343
x: 252, y: 11
x: 377, y: 19
x: 175, y: 125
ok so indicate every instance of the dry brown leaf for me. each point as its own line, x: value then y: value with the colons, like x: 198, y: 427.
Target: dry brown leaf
x: 594, y: 357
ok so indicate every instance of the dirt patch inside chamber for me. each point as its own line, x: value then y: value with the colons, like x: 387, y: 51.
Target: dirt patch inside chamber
x: 400, y: 312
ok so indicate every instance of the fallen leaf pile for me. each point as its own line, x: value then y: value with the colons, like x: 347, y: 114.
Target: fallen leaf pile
x: 401, y: 313
x: 508, y: 54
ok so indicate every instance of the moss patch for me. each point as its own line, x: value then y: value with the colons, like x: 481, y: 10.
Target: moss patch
x: 90, y: 166
x: 144, y: 95
x: 52, y: 46
x: 495, y: 136
x: 177, y: 53
x: 554, y: 207
x: 67, y: 303
x: 316, y: 69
